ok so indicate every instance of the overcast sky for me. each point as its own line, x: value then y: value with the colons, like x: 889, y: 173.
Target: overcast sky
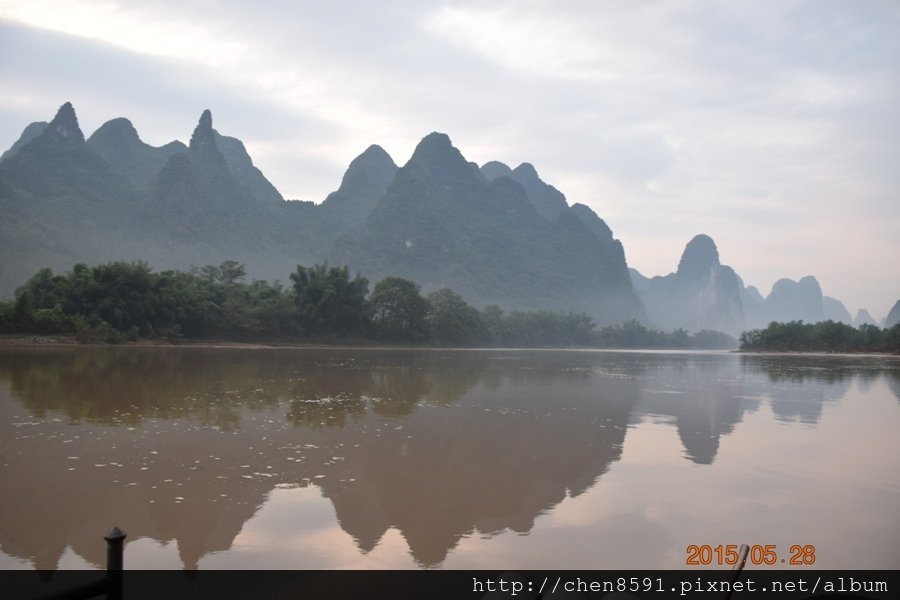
x: 772, y: 126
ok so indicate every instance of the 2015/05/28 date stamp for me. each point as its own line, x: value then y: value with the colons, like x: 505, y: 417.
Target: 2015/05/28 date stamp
x: 758, y: 554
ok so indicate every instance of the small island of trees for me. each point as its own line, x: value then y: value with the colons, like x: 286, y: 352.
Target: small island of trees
x: 825, y: 336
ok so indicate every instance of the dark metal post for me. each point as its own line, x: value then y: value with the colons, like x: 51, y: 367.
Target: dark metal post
x: 115, y: 561
x: 115, y: 542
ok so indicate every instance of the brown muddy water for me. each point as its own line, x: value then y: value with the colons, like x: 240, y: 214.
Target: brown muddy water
x: 496, y: 459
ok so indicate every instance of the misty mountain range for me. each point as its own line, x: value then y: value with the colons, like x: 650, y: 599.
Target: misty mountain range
x: 494, y: 234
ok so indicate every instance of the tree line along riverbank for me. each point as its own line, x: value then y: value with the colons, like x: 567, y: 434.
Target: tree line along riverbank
x: 129, y: 301
x: 824, y: 336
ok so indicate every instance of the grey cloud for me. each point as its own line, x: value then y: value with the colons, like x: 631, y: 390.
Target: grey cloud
x: 164, y: 93
x: 725, y: 107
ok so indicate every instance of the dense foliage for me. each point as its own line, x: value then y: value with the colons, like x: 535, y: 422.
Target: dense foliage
x: 121, y: 301
x: 329, y: 302
x: 825, y: 336
x: 399, y: 311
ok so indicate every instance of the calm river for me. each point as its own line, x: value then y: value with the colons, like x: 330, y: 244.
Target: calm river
x: 494, y: 459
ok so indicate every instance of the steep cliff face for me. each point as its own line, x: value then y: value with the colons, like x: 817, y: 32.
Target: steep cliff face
x: 701, y: 294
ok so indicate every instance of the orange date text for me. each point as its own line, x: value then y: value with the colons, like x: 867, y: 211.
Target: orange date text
x: 759, y: 554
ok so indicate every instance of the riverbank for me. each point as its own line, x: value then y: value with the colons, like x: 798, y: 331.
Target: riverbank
x: 68, y: 341
x: 37, y: 341
x: 817, y: 353
x: 60, y: 340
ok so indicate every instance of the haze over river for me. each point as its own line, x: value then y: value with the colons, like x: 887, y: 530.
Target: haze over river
x: 498, y: 459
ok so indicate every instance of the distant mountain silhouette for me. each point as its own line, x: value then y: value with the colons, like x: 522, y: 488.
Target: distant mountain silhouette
x: 795, y: 300
x: 893, y: 317
x: 244, y: 172
x: 347, y: 209
x: 57, y: 163
x: 209, y: 203
x: 701, y: 294
x: 863, y: 318
x: 546, y: 199
x: 835, y: 310
x: 32, y: 131
x: 494, y: 234
x: 113, y: 197
x: 509, y: 239
x: 118, y: 143
x: 443, y: 223
x: 60, y: 202
x: 754, y: 305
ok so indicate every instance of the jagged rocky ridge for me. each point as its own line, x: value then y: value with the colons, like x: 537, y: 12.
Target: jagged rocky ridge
x: 493, y: 233
x: 502, y: 237
x: 443, y: 223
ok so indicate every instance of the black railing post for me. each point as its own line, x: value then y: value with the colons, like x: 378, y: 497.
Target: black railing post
x: 115, y: 544
x: 115, y: 561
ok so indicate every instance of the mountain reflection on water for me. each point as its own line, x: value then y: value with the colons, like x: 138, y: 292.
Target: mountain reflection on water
x: 187, y: 444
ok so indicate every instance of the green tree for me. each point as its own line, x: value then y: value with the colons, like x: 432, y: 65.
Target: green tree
x: 121, y: 296
x: 329, y: 302
x: 38, y: 304
x: 892, y: 339
x: 453, y: 321
x: 399, y: 311
x: 187, y: 306
x: 7, y: 317
x: 872, y: 337
x: 495, y: 325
